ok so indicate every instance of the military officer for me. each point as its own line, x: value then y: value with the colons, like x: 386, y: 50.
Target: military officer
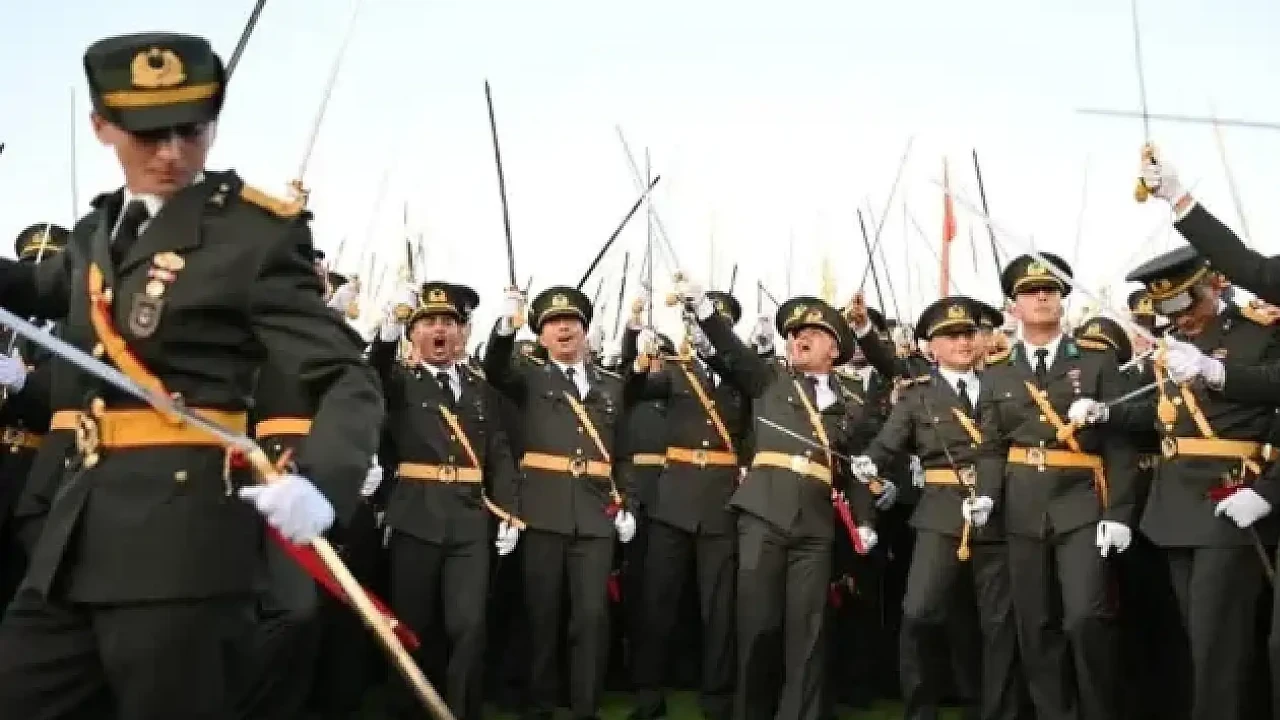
x: 24, y: 412
x: 448, y: 448
x: 692, y: 527
x: 136, y: 601
x: 1211, y: 498
x: 784, y: 504
x: 644, y: 453
x: 936, y: 418
x: 1067, y: 497
x: 567, y: 493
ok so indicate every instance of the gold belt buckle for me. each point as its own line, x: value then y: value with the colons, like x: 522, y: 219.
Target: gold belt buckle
x: 1169, y: 447
x: 800, y: 465
x: 448, y: 473
x: 1036, y: 456
x: 577, y: 467
x: 88, y: 439
x: 968, y: 475
x: 700, y: 458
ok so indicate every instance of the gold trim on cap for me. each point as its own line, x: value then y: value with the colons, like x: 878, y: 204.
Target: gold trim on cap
x: 1164, y: 288
x: 133, y: 99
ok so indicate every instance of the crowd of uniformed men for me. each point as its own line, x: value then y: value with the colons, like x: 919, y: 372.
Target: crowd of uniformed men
x: 994, y: 511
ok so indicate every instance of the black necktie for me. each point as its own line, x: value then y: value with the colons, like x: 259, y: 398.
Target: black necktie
x: 571, y: 373
x: 811, y: 389
x: 131, y: 218
x: 445, y: 384
x: 965, y: 403
x: 1042, y: 366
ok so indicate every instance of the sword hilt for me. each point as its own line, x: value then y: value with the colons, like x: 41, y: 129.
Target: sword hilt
x: 1141, y: 190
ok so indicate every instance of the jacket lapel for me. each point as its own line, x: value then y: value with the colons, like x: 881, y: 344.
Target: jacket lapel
x: 176, y: 228
x: 99, y: 250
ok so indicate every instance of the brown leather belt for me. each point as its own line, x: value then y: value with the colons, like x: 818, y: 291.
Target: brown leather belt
x: 947, y: 476
x: 272, y: 427
x: 1045, y: 458
x: 17, y: 439
x: 649, y: 459
x: 439, y: 473
x: 143, y: 427
x: 702, y: 458
x: 798, y: 464
x: 575, y: 466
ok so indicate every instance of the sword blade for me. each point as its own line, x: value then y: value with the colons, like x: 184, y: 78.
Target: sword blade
x: 1132, y: 394
x: 1142, y: 81
x: 797, y: 436
x: 119, y: 380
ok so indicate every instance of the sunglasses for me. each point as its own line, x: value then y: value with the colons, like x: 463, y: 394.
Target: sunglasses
x: 185, y: 132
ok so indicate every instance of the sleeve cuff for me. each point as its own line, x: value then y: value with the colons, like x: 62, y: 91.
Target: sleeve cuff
x: 704, y: 309
x: 1182, y: 206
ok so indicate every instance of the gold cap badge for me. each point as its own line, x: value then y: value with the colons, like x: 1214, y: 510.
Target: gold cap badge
x: 559, y: 301
x: 436, y: 295
x: 157, y: 68
x: 956, y: 312
x: 1035, y: 268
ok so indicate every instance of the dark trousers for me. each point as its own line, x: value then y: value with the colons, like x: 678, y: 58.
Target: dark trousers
x: 672, y: 553
x: 1217, y: 591
x: 781, y: 601
x: 13, y: 562
x: 1066, y: 628
x: 931, y: 585
x: 633, y: 576
x: 139, y: 661
x: 1156, y: 658
x: 439, y: 590
x: 549, y: 560
x: 286, y: 640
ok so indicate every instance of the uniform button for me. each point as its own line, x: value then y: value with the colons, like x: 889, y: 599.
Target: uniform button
x: 180, y: 477
x: 706, y: 443
x: 1044, y: 419
x: 450, y: 458
x: 580, y: 430
x: 578, y: 451
x: 808, y: 453
x: 708, y: 422
x: 453, y: 437
x: 425, y: 405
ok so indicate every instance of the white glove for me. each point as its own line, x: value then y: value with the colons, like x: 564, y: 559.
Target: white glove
x: 292, y: 505
x: 701, y: 343
x: 1113, y: 536
x: 508, y: 536
x: 917, y: 472
x: 625, y: 522
x: 693, y: 298
x: 343, y: 296
x: 1244, y: 506
x: 1162, y: 180
x: 977, y: 510
x: 863, y: 466
x: 13, y: 371
x: 762, y: 334
x: 372, y: 480
x: 647, y: 341
x: 1185, y: 362
x: 512, y: 304
x: 1086, y: 411
x: 888, y: 495
x: 868, y: 536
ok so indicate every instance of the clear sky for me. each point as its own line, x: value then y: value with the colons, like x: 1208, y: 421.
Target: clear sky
x: 767, y: 121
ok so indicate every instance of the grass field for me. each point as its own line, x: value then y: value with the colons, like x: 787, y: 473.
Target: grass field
x: 684, y: 706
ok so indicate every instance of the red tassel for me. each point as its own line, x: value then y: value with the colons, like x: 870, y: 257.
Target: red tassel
x: 615, y: 588
x: 835, y: 598
x: 1222, y: 492
x: 846, y: 516
x: 612, y: 509
x: 306, y: 556
x: 238, y: 460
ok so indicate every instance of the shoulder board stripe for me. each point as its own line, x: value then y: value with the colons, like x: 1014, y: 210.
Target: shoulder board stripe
x: 273, y: 205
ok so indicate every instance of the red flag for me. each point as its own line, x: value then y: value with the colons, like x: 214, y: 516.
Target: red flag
x: 948, y: 232
x: 306, y: 556
x: 948, y: 208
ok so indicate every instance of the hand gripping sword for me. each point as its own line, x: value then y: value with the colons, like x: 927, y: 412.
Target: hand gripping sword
x: 369, y: 612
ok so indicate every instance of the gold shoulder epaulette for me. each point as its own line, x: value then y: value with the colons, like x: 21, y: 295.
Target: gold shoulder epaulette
x: 1260, y: 313
x: 281, y: 208
x: 1093, y: 345
x: 999, y: 357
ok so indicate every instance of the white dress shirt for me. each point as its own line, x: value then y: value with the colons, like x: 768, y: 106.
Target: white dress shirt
x: 1051, y: 347
x: 153, y: 203
x: 579, y: 376
x: 455, y: 382
x: 970, y: 379
x: 826, y: 397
